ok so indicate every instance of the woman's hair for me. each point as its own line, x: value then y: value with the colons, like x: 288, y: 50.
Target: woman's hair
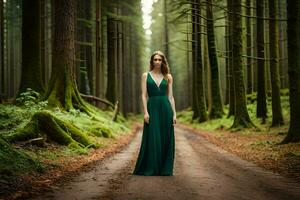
x: 164, y: 64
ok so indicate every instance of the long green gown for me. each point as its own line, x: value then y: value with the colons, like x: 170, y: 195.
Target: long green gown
x: 156, y: 156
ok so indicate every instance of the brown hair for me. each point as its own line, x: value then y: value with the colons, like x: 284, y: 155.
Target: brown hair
x: 164, y: 66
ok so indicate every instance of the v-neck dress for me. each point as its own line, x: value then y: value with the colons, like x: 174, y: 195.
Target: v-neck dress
x: 156, y: 155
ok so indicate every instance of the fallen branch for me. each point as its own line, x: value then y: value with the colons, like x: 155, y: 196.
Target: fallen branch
x: 89, y: 97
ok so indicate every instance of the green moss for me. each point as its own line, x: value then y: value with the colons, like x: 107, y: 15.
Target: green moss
x: 13, y: 161
x: 45, y: 125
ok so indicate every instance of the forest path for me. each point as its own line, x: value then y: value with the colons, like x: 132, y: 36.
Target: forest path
x: 201, y: 171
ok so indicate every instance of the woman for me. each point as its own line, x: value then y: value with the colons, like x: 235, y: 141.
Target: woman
x: 156, y: 156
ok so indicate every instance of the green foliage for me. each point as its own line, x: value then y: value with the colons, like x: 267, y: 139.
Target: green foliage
x: 185, y: 116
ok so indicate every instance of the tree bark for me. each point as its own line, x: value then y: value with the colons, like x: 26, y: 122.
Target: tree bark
x: 261, y: 109
x: 31, y: 76
x: 198, y: 92
x: 230, y: 61
x: 62, y: 90
x: 241, y: 117
x: 98, y: 48
x: 277, y: 118
x: 1, y: 51
x: 111, y: 91
x: 249, y: 49
x: 216, y: 107
x: 293, y: 31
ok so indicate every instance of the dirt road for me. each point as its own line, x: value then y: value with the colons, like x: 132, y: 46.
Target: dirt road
x: 201, y: 171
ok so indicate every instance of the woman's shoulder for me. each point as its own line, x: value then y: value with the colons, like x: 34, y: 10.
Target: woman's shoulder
x: 144, y: 75
x: 170, y: 76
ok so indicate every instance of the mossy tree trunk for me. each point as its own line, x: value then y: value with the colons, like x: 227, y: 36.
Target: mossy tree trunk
x: 261, y: 109
x: 62, y: 90
x: 216, y: 108
x: 241, y: 117
x: 277, y: 118
x: 293, y: 10
x: 31, y: 76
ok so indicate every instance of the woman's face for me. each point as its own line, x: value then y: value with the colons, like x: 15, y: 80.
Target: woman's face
x: 157, y: 60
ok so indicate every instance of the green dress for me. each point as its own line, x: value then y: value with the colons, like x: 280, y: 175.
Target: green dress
x: 156, y: 156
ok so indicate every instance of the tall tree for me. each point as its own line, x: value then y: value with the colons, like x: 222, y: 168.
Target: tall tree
x: 216, y: 108
x: 111, y: 91
x: 241, y: 117
x: 167, y: 51
x: 249, y: 48
x: 293, y: 30
x: 277, y: 118
x: 231, y: 92
x: 31, y: 47
x: 261, y: 109
x: 62, y: 90
x: 1, y: 50
x: 199, y: 107
x: 98, y: 48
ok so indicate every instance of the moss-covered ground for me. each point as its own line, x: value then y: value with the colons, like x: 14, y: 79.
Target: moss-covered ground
x: 35, y: 138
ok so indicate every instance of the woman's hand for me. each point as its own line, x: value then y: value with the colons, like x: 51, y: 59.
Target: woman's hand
x: 174, y: 120
x: 146, y: 118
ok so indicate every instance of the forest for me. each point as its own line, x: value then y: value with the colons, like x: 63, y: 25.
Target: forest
x: 70, y: 83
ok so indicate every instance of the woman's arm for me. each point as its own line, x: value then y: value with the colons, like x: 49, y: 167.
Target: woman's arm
x: 144, y: 96
x: 171, y: 98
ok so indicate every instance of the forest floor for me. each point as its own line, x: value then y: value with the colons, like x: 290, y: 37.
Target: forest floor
x: 206, y: 167
x: 61, y: 166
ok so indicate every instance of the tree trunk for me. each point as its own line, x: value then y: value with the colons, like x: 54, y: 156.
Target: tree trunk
x: 230, y: 61
x: 249, y: 49
x: 62, y: 90
x: 195, y: 103
x: 1, y: 51
x: 31, y: 47
x: 199, y: 68
x: 261, y: 109
x: 241, y: 117
x: 198, y: 92
x: 167, y: 52
x: 216, y: 108
x: 277, y: 118
x: 98, y: 48
x: 111, y: 91
x: 293, y: 10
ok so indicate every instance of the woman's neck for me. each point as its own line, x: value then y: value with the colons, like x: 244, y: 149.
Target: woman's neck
x: 156, y: 71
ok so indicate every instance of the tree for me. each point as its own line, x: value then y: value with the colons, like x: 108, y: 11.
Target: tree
x: 277, y: 118
x: 1, y: 50
x: 261, y: 109
x: 216, y: 108
x: 111, y: 91
x: 31, y: 47
x: 199, y: 107
x: 249, y: 49
x: 62, y: 90
x: 241, y: 117
x: 293, y: 31
x: 229, y: 70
